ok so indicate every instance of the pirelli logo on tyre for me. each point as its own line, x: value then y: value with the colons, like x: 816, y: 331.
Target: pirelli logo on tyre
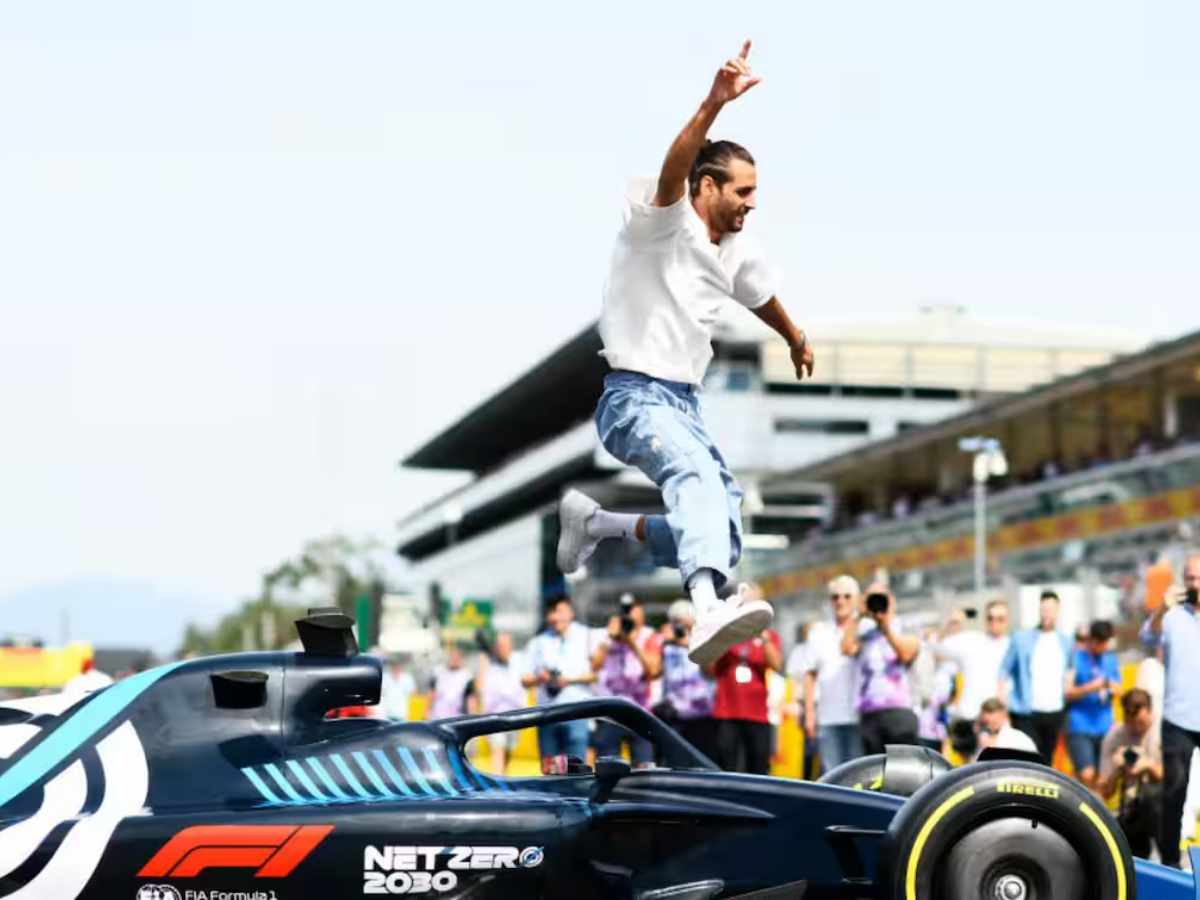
x: 1028, y: 787
x: 273, y: 851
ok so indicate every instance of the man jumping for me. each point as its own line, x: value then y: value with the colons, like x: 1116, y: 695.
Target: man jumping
x: 678, y: 255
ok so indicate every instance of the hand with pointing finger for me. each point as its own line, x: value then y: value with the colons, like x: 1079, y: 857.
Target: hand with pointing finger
x: 734, y: 78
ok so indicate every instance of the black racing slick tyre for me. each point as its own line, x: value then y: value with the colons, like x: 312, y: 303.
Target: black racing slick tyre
x: 1005, y: 831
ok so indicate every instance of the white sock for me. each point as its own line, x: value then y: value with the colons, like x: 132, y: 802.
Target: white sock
x: 702, y: 591
x: 605, y: 524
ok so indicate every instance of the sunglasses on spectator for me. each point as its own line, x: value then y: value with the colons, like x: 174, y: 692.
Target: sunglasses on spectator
x: 841, y: 596
x: 997, y: 618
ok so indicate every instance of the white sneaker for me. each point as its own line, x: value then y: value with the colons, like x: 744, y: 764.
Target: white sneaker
x: 575, y: 545
x: 735, y: 620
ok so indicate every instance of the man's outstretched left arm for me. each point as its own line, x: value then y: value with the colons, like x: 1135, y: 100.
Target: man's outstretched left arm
x: 774, y: 315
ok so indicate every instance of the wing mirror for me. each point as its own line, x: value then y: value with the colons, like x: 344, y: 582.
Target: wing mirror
x: 609, y: 770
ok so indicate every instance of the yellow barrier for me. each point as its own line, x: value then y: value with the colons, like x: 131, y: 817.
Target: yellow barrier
x: 34, y: 668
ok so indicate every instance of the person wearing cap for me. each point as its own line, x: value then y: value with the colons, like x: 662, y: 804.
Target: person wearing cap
x: 625, y: 661
x: 688, y: 693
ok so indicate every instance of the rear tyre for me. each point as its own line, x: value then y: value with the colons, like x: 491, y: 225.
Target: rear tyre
x: 862, y: 774
x: 1004, y: 831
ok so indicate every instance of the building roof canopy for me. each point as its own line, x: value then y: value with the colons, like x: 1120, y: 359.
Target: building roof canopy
x: 1064, y: 415
x: 555, y: 394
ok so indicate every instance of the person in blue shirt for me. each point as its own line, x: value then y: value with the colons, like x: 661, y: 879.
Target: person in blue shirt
x: 1092, y: 682
x: 1175, y: 627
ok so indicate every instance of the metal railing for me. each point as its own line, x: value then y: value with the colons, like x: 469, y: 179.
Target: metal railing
x: 1101, y: 485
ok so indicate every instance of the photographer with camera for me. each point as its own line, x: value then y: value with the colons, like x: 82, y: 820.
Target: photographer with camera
x: 884, y: 654
x: 559, y: 664
x: 626, y: 660
x: 687, y: 693
x: 1175, y: 627
x: 1131, y: 762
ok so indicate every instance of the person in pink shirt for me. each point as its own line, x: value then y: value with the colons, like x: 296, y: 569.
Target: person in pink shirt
x: 626, y: 661
x: 450, y: 686
x: 884, y: 654
x: 499, y: 688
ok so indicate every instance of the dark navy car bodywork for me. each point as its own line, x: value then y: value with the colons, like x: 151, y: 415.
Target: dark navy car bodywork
x: 221, y: 779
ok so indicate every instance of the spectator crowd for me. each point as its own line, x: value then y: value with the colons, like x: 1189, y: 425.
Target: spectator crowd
x: 863, y: 680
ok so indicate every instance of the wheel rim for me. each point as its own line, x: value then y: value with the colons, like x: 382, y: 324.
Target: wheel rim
x: 1011, y: 859
x: 1011, y: 886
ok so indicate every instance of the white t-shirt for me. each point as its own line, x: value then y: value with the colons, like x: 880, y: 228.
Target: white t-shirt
x: 1009, y: 738
x: 1047, y: 670
x: 978, y: 656
x: 837, y: 675
x: 666, y: 283
x: 396, y: 689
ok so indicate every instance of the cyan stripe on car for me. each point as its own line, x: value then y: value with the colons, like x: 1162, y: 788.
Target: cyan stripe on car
x: 416, y: 787
x: 77, y: 729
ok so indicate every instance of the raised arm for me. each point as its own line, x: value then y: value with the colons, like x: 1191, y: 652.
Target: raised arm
x: 733, y: 80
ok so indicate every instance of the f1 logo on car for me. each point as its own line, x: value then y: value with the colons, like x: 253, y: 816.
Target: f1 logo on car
x: 274, y: 850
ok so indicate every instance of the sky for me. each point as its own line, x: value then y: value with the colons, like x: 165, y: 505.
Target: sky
x: 253, y: 253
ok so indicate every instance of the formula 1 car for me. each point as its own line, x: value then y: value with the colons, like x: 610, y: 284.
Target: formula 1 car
x: 224, y: 779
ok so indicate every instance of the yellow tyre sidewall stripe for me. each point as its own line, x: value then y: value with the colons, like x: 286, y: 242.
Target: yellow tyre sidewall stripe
x: 910, y: 881
x: 1106, y: 833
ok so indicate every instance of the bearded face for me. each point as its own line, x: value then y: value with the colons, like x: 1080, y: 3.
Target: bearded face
x: 728, y: 204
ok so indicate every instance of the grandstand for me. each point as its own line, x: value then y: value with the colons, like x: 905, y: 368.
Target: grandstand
x: 1104, y: 473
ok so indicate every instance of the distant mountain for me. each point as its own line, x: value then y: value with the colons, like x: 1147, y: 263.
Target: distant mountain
x: 108, y: 612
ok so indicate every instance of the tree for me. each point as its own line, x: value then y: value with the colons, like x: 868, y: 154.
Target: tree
x: 330, y: 571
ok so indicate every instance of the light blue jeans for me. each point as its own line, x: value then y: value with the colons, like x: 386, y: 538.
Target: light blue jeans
x: 655, y: 425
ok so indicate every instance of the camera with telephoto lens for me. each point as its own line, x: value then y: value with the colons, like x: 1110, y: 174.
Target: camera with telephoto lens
x: 877, y: 603
x: 627, y: 625
x: 1130, y: 756
x: 553, y: 688
x: 680, y: 631
x: 1192, y: 596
